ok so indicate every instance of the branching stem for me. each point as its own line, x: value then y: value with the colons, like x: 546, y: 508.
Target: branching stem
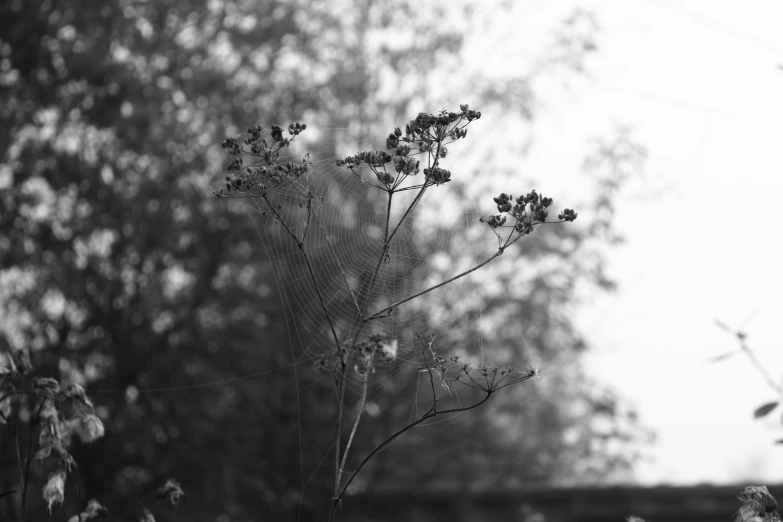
x: 380, y: 447
x: 509, y: 242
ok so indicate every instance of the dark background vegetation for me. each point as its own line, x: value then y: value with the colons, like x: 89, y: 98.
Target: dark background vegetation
x: 121, y: 272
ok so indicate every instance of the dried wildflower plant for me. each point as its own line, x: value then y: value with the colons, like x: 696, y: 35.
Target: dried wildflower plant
x: 93, y: 511
x: 54, y: 413
x: 171, y: 491
x: 412, y: 161
x: 757, y: 506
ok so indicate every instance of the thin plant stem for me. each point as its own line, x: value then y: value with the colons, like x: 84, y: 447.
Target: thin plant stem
x: 509, y: 242
x: 280, y: 219
x: 760, y: 368
x: 338, y: 467
x: 380, y: 313
x: 309, y: 213
x: 321, y: 300
x: 30, y: 444
x: 407, y: 212
x: 355, y: 424
x: 18, y: 450
x: 339, y: 352
x: 384, y: 252
x: 317, y: 287
x: 429, y: 371
x: 388, y: 217
x: 338, y: 427
x: 430, y: 414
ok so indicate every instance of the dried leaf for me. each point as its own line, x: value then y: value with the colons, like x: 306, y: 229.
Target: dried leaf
x: 171, y: 490
x: 764, y: 409
x: 723, y: 357
x: 54, y: 490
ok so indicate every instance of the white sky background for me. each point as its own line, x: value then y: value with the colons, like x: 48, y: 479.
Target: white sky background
x: 699, y: 83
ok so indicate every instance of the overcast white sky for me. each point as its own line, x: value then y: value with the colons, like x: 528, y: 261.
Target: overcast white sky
x: 699, y: 82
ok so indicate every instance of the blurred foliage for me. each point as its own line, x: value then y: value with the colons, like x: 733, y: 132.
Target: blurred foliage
x: 120, y: 273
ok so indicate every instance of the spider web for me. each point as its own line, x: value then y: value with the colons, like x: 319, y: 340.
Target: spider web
x: 443, y: 236
x: 345, y: 237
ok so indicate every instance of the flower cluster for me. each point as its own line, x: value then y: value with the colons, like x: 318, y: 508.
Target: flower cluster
x: 438, y: 175
x: 567, y: 215
x: 65, y: 412
x: 489, y: 379
x: 427, y: 133
x: 486, y: 378
x: 258, y: 180
x: 528, y: 210
x: 370, y: 158
x: 405, y: 164
x: 363, y: 355
x: 425, y: 122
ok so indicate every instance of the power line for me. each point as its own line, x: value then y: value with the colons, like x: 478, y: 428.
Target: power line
x: 725, y: 28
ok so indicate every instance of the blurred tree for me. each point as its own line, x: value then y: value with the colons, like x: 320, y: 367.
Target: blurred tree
x: 119, y: 271
x: 565, y: 428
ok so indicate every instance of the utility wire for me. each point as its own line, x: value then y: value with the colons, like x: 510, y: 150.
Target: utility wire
x: 720, y: 26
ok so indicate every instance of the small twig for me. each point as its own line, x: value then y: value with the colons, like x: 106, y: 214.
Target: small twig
x: 760, y: 367
x: 301, y: 244
x: 509, y: 241
x: 281, y: 220
x: 309, y: 213
x: 338, y: 427
x: 379, y: 313
x: 355, y: 424
x: 741, y: 336
x: 407, y: 212
x: 434, y: 406
x: 18, y: 451
x: 34, y: 421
